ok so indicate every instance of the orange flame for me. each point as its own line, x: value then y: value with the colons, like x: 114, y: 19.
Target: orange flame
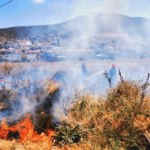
x: 26, y: 131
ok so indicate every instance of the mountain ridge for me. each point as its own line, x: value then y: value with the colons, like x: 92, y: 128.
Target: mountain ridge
x: 91, y: 23
x: 73, y: 19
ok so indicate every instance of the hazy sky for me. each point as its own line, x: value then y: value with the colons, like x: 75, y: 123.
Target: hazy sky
x: 41, y: 12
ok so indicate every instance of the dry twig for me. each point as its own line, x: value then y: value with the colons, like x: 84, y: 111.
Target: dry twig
x: 110, y: 85
x: 121, y: 77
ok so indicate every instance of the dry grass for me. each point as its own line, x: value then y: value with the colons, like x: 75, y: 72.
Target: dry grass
x: 14, y: 145
x: 121, y: 120
x: 28, y: 145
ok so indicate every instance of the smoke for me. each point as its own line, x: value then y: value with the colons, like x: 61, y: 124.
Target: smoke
x: 98, y: 40
x: 25, y: 91
x: 109, y: 37
x: 85, y: 7
x: 115, y: 6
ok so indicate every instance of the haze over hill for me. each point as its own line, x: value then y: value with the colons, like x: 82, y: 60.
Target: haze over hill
x: 91, y: 24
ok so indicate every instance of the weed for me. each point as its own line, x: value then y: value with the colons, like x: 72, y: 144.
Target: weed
x: 67, y: 135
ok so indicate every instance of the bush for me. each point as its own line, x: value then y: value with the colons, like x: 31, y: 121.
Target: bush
x: 120, y: 121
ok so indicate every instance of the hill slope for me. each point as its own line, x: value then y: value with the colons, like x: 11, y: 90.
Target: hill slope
x: 91, y: 23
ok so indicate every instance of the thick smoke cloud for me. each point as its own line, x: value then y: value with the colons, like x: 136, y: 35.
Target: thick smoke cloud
x: 115, y: 6
x: 133, y: 33
x: 105, y: 6
x: 92, y: 27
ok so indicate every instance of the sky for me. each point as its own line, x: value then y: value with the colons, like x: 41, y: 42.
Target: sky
x: 44, y: 12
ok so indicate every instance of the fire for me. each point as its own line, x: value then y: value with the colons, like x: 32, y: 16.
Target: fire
x: 26, y: 131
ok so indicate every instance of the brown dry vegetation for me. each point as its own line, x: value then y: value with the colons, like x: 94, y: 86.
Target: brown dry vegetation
x: 119, y: 121
x: 14, y: 145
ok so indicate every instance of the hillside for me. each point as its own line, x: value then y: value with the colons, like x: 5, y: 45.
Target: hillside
x: 93, y: 23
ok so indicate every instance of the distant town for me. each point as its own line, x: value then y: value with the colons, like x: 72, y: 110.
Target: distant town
x: 58, y: 49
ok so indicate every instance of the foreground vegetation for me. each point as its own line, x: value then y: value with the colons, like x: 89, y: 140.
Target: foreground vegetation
x: 118, y: 121
x: 121, y: 120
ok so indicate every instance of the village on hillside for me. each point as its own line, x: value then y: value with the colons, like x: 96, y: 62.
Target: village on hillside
x: 60, y: 47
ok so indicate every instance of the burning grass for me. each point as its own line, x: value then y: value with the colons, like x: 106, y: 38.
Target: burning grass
x: 33, y: 131
x: 119, y: 121
x: 23, y: 131
x: 24, y: 136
